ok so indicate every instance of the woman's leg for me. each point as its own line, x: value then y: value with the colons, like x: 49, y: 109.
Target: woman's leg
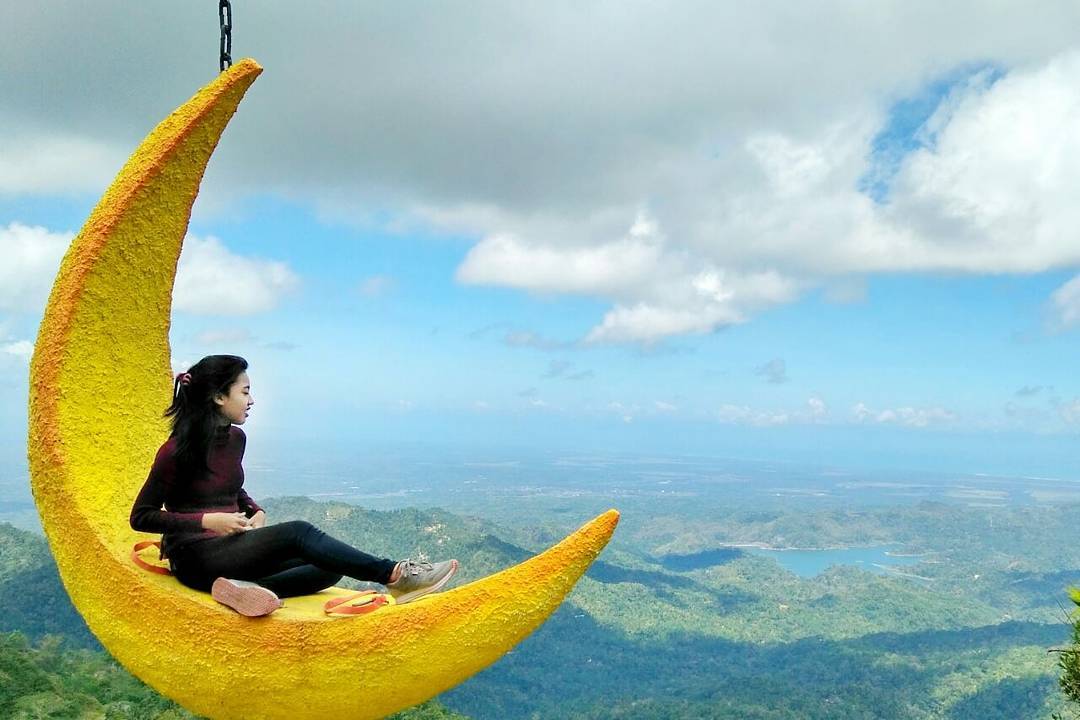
x: 259, y: 553
x: 296, y: 577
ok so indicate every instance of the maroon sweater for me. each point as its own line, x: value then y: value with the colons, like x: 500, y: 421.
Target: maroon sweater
x: 186, y: 499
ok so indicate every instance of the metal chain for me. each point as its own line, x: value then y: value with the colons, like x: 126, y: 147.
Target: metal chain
x: 225, y: 16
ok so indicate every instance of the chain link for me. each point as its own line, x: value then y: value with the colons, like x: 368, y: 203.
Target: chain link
x: 225, y: 16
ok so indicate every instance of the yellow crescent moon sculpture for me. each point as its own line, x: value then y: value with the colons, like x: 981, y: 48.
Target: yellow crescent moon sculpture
x: 99, y: 377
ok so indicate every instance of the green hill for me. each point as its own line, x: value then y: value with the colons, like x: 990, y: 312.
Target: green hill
x: 642, y: 637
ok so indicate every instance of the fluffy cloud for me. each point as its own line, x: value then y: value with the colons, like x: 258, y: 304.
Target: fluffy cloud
x: 747, y: 157
x: 20, y: 348
x: 607, y: 269
x: 223, y: 337
x: 242, y: 337
x: 992, y: 188
x: 562, y: 369
x: 1065, y: 305
x: 209, y: 279
x: 1070, y: 411
x: 815, y: 411
x: 774, y: 371
x: 524, y: 338
x: 58, y: 164
x: 14, y: 357
x: 744, y: 415
x: 212, y: 280
x: 626, y: 413
x: 376, y: 285
x: 32, y: 257
x: 906, y: 416
x: 987, y: 188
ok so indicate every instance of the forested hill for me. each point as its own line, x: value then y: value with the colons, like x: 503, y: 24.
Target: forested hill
x: 641, y: 637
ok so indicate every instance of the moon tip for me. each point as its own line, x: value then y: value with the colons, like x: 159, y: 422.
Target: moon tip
x: 246, y: 65
x: 608, y: 520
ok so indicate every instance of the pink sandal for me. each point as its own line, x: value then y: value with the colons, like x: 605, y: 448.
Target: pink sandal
x: 246, y: 598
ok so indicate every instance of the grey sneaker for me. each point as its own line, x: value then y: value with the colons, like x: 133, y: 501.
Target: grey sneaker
x: 419, y: 577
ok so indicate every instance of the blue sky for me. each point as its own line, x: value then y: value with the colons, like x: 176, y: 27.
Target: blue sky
x: 859, y: 268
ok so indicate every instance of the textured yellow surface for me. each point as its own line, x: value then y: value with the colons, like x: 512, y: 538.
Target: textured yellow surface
x: 99, y: 380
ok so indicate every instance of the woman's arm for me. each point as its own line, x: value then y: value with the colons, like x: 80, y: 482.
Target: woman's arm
x: 146, y: 513
x: 247, y: 506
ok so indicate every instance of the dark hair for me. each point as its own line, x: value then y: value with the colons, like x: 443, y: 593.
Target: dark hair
x: 195, y: 417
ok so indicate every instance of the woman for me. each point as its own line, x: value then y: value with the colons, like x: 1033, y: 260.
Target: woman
x: 215, y: 536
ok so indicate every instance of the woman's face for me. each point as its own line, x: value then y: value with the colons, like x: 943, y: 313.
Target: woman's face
x: 234, y: 406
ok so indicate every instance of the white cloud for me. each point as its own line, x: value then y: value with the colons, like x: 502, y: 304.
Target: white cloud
x: 279, y: 345
x: 557, y: 368
x: 994, y: 190
x: 990, y: 190
x: 224, y: 337
x: 664, y: 407
x: 1065, y: 305
x: 610, y: 268
x: 32, y: 258
x: 744, y: 415
x: 376, y: 285
x: 660, y: 291
x: 1070, y: 412
x: 625, y: 412
x: 39, y: 164
x: 815, y: 411
x: 539, y: 142
x: 180, y: 365
x: 774, y: 371
x: 846, y: 291
x: 20, y: 348
x: 648, y: 323
x: 524, y: 338
x: 906, y: 416
x: 212, y: 280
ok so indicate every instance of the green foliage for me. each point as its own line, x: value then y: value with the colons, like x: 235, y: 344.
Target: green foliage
x: 32, y: 597
x: 1069, y: 657
x: 740, y: 638
x: 430, y: 710
x: 51, y: 681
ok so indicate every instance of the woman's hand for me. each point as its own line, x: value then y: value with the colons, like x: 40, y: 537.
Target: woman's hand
x: 225, y: 523
x: 257, y: 520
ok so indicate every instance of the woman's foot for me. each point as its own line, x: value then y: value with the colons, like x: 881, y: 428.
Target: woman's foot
x: 417, y: 578
x: 246, y: 598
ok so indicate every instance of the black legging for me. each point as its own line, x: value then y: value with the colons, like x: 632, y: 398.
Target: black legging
x: 291, y: 558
